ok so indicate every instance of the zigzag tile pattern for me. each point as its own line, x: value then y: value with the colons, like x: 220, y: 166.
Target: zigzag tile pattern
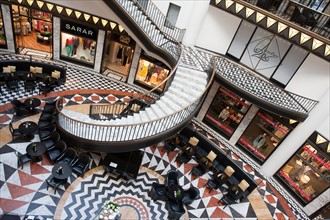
x: 91, y: 194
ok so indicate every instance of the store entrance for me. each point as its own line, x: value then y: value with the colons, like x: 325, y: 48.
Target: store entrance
x: 118, y: 54
x: 33, y: 31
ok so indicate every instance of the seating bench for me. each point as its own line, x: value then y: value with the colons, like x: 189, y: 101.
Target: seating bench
x: 23, y: 67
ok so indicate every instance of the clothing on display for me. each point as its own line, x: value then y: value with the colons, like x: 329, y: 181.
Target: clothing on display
x: 75, y: 47
x: 151, y: 70
x: 120, y: 52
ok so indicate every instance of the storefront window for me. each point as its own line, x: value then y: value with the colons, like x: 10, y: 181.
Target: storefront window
x: 264, y: 134
x: 307, y: 174
x: 33, y: 28
x: 226, y: 112
x: 3, y: 43
x: 150, y: 74
x: 118, y: 55
x: 78, y: 43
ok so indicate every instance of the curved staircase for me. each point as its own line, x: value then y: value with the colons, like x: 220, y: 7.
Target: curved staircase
x: 191, y: 75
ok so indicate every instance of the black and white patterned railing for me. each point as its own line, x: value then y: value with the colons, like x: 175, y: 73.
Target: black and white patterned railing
x: 197, y: 59
x: 157, y: 17
x: 149, y: 21
x: 261, y: 88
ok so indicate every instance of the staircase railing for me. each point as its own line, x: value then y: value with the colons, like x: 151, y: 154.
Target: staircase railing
x: 158, y: 35
x: 158, y: 18
x: 108, y: 111
x: 134, y: 131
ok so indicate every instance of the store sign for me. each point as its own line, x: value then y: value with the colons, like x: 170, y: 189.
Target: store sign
x: 78, y: 29
x: 261, y: 51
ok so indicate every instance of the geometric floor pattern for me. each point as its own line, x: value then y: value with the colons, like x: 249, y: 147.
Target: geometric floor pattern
x: 93, y: 191
x: 23, y: 191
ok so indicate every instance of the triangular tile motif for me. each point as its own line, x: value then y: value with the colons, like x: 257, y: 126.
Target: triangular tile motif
x: 18, y: 191
x: 27, y: 179
x: 213, y: 202
x: 6, y: 171
x: 219, y: 213
x: 240, y: 209
x: 8, y: 205
x: 38, y: 169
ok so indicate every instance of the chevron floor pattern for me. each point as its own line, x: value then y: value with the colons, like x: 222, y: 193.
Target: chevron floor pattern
x: 89, y: 196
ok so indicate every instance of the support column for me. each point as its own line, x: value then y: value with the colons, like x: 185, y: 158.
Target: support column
x: 10, y: 39
x: 56, y: 38
x: 134, y: 64
x: 298, y: 136
x: 99, y: 51
x: 198, y: 14
x: 253, y: 110
x: 208, y: 101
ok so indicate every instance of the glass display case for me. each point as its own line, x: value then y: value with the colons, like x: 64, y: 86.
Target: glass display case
x: 265, y: 132
x: 226, y: 112
x: 307, y: 173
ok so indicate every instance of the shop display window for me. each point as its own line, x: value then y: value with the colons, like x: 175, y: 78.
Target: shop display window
x: 33, y: 28
x: 76, y: 48
x: 151, y: 75
x: 3, y: 43
x: 226, y: 112
x: 264, y: 134
x: 307, y: 174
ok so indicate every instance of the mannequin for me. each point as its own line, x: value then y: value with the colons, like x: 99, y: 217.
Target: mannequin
x: 75, y: 44
x: 151, y: 70
x: 119, y: 54
x: 259, y: 141
x: 224, y: 114
x: 68, y: 44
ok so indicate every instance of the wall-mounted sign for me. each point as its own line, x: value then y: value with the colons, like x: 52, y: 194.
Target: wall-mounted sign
x: 78, y: 29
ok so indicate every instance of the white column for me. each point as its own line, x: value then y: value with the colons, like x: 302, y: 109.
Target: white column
x: 134, y: 64
x: 56, y: 38
x: 208, y: 101
x: 253, y: 110
x: 298, y: 136
x: 10, y: 40
x: 198, y: 14
x: 99, y: 50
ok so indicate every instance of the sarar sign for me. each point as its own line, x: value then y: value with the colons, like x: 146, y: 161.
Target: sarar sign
x: 78, y: 29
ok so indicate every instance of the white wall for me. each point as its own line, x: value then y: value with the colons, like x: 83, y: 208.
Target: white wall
x: 185, y: 10
x: 324, y: 128
x: 312, y: 78
x: 218, y: 30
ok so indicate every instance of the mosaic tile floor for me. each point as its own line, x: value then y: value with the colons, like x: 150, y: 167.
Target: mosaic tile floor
x: 23, y: 191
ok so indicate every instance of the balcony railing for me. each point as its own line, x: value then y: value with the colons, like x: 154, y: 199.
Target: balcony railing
x: 297, y: 13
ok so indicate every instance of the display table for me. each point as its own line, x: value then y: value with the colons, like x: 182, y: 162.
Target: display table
x: 32, y: 103
x: 61, y: 171
x: 27, y: 128
x: 35, y: 151
x: 110, y: 211
x: 125, y: 164
x: 175, y: 192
